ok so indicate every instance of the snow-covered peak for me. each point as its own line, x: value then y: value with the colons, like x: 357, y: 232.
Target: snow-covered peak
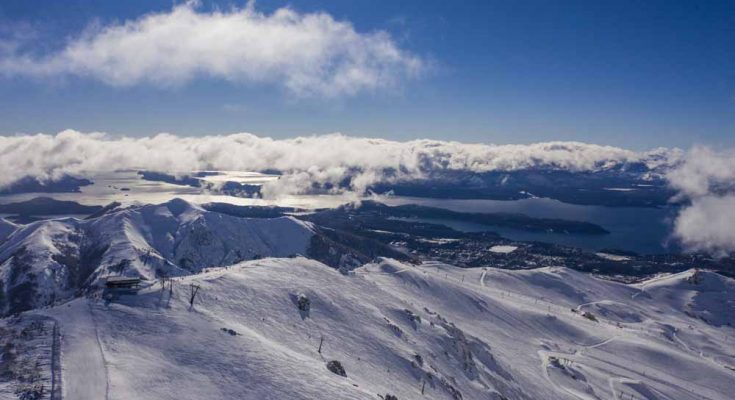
x: 180, y: 209
x: 692, y: 279
x: 697, y: 293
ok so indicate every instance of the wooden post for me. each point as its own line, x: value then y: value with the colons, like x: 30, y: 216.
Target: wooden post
x: 193, y: 290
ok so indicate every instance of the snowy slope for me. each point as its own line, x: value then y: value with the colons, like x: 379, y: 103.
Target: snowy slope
x: 6, y: 228
x: 178, y: 238
x: 33, y: 264
x: 549, y: 333
x: 54, y: 259
x: 701, y: 294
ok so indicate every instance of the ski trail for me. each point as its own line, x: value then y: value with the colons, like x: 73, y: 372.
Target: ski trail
x: 545, y: 356
x: 579, y: 307
x: 522, y: 296
x: 101, y: 352
x: 400, y: 271
x: 56, y: 363
x: 643, y: 287
x: 698, y: 353
x: 604, y: 342
x: 619, y: 380
x: 84, y: 373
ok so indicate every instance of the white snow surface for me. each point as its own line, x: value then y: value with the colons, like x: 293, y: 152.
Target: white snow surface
x: 504, y: 249
x: 480, y: 334
x: 173, y: 238
x: 612, y: 257
x: 193, y: 238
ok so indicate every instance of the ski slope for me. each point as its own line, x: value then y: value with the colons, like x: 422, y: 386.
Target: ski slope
x: 399, y: 328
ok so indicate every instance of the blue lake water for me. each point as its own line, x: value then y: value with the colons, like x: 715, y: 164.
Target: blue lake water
x: 638, y: 229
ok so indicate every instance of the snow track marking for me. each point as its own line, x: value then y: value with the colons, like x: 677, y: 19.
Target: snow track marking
x: 101, y: 350
x: 56, y: 389
x: 546, y: 364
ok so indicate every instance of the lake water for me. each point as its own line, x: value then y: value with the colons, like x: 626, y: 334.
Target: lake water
x: 638, y: 229
x: 642, y: 230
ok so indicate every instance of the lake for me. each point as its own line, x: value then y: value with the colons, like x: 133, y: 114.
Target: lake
x: 638, y: 229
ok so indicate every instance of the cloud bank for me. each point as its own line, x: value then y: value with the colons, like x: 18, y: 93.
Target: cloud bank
x: 704, y: 178
x: 707, y: 180
x: 326, y: 159
x: 307, y: 53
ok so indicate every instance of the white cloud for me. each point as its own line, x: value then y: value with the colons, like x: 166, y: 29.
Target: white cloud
x: 305, y: 160
x: 307, y: 53
x: 706, y: 180
x: 707, y: 225
x: 704, y: 171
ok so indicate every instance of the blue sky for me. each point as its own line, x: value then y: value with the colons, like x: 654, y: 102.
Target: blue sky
x: 632, y: 74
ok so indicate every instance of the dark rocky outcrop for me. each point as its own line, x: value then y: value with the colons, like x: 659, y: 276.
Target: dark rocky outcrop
x: 336, y: 368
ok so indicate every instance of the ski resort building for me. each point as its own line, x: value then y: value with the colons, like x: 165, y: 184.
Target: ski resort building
x: 122, y: 282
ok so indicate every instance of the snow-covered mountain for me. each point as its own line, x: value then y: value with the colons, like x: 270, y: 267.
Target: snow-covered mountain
x: 247, y: 315
x: 297, y: 329
x: 49, y: 260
